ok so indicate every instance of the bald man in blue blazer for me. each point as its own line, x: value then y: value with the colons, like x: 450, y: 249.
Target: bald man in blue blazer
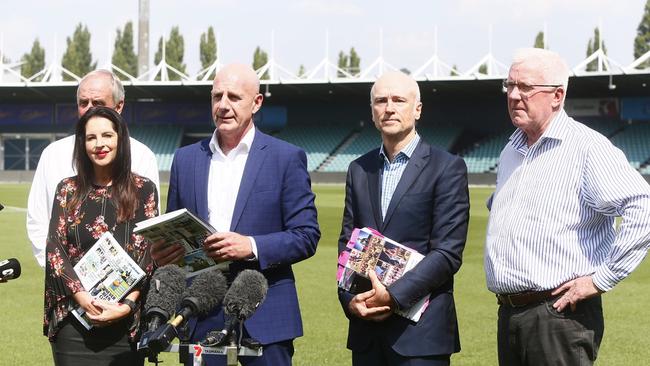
x: 416, y: 195
x: 255, y: 190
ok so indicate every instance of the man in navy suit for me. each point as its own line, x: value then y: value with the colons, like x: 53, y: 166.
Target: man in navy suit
x: 416, y: 195
x: 255, y: 190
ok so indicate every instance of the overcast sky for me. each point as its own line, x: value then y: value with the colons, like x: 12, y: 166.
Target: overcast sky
x: 300, y: 28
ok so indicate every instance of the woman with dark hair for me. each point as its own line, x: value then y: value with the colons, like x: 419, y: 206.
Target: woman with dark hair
x: 104, y: 196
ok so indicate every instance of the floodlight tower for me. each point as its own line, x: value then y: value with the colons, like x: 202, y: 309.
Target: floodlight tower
x: 143, y: 36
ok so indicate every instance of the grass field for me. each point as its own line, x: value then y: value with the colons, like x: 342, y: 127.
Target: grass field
x: 626, y: 341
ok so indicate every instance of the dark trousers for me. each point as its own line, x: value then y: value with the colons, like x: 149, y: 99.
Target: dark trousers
x: 539, y: 335
x: 383, y: 355
x: 109, y: 346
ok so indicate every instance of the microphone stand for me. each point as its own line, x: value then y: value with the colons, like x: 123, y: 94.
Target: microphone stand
x: 232, y: 349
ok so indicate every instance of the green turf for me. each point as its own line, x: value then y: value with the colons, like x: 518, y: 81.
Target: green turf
x: 626, y: 339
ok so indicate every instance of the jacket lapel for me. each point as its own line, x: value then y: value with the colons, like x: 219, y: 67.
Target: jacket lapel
x: 413, y: 169
x: 254, y: 162
x: 374, y: 189
x: 201, y: 171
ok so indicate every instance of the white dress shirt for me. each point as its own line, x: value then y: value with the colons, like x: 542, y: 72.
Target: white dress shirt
x: 552, y: 215
x: 54, y: 165
x: 224, y: 179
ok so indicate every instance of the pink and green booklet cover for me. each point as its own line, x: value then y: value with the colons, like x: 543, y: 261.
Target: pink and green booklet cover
x: 368, y: 249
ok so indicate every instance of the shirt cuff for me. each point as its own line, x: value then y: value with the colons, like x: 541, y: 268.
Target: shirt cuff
x: 605, y: 279
x: 253, y: 248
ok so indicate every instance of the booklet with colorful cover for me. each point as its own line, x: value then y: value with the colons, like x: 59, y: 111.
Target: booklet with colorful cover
x: 184, y: 228
x: 107, y: 272
x: 367, y: 250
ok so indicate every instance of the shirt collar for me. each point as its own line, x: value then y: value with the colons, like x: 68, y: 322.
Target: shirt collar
x: 407, y: 150
x: 556, y: 130
x: 244, y: 145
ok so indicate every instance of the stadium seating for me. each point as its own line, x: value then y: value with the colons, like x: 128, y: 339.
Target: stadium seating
x: 442, y: 136
x: 366, y: 139
x: 606, y: 126
x: 484, y: 156
x: 317, y: 141
x: 163, y: 140
x: 634, y: 141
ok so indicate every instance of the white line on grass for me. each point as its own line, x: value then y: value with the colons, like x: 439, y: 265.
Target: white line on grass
x: 16, y: 209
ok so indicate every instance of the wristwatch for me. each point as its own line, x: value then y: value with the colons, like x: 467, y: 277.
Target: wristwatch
x: 131, y: 304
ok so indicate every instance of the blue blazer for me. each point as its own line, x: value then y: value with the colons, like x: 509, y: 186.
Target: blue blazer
x: 429, y: 212
x: 275, y: 205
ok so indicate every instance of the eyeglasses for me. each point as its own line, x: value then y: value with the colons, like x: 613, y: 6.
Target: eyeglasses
x: 525, y: 90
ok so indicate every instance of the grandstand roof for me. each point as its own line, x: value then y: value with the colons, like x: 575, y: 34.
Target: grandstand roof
x: 579, y: 87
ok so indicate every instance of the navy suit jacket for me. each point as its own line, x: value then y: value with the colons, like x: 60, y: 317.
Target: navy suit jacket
x: 429, y: 212
x: 275, y: 205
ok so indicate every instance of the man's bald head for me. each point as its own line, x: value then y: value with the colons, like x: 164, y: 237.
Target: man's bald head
x: 396, y: 78
x: 241, y: 74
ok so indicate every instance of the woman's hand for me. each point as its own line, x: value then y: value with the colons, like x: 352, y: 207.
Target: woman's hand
x: 110, y: 313
x: 84, y: 300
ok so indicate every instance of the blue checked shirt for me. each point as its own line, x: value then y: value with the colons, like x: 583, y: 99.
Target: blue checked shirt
x: 392, y: 172
x: 552, y: 214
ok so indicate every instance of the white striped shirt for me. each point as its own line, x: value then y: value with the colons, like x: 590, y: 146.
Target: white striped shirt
x: 552, y: 214
x: 392, y: 172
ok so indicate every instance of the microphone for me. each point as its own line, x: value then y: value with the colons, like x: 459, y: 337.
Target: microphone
x: 9, y: 269
x: 246, y: 293
x: 206, y: 292
x: 166, y: 288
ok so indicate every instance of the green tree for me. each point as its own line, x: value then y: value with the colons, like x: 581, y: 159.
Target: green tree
x: 124, y: 55
x: 354, y: 66
x: 539, y: 40
x: 301, y: 71
x: 34, y: 61
x: 642, y: 39
x: 208, y: 49
x: 77, y: 57
x: 174, y: 51
x: 593, y: 46
x: 343, y: 64
x: 260, y: 58
x: 454, y: 71
x: 483, y: 69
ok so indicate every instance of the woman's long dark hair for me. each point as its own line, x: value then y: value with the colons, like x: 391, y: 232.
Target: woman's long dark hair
x: 124, y: 189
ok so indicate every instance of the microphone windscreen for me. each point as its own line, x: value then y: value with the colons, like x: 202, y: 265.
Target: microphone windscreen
x: 165, y: 289
x: 9, y: 269
x: 208, y: 288
x: 247, y: 291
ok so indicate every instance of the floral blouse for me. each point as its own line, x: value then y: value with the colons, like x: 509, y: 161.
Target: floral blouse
x: 74, y: 230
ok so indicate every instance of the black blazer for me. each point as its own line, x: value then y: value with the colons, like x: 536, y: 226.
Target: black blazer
x: 429, y: 212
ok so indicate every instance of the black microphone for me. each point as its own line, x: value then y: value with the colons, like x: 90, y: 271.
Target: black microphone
x: 206, y: 292
x: 9, y: 269
x: 165, y: 291
x: 246, y: 293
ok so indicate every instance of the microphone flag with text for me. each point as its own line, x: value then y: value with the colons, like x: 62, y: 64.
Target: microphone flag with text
x: 244, y: 296
x: 9, y: 269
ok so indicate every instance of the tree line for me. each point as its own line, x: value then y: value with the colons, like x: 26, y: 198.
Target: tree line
x: 78, y: 58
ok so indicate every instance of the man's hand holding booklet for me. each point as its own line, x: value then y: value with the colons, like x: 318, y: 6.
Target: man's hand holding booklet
x: 368, y: 250
x: 181, y: 227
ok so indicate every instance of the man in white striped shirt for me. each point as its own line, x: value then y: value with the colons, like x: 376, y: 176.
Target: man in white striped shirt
x: 552, y: 248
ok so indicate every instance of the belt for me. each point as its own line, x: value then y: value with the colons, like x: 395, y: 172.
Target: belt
x: 524, y: 298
